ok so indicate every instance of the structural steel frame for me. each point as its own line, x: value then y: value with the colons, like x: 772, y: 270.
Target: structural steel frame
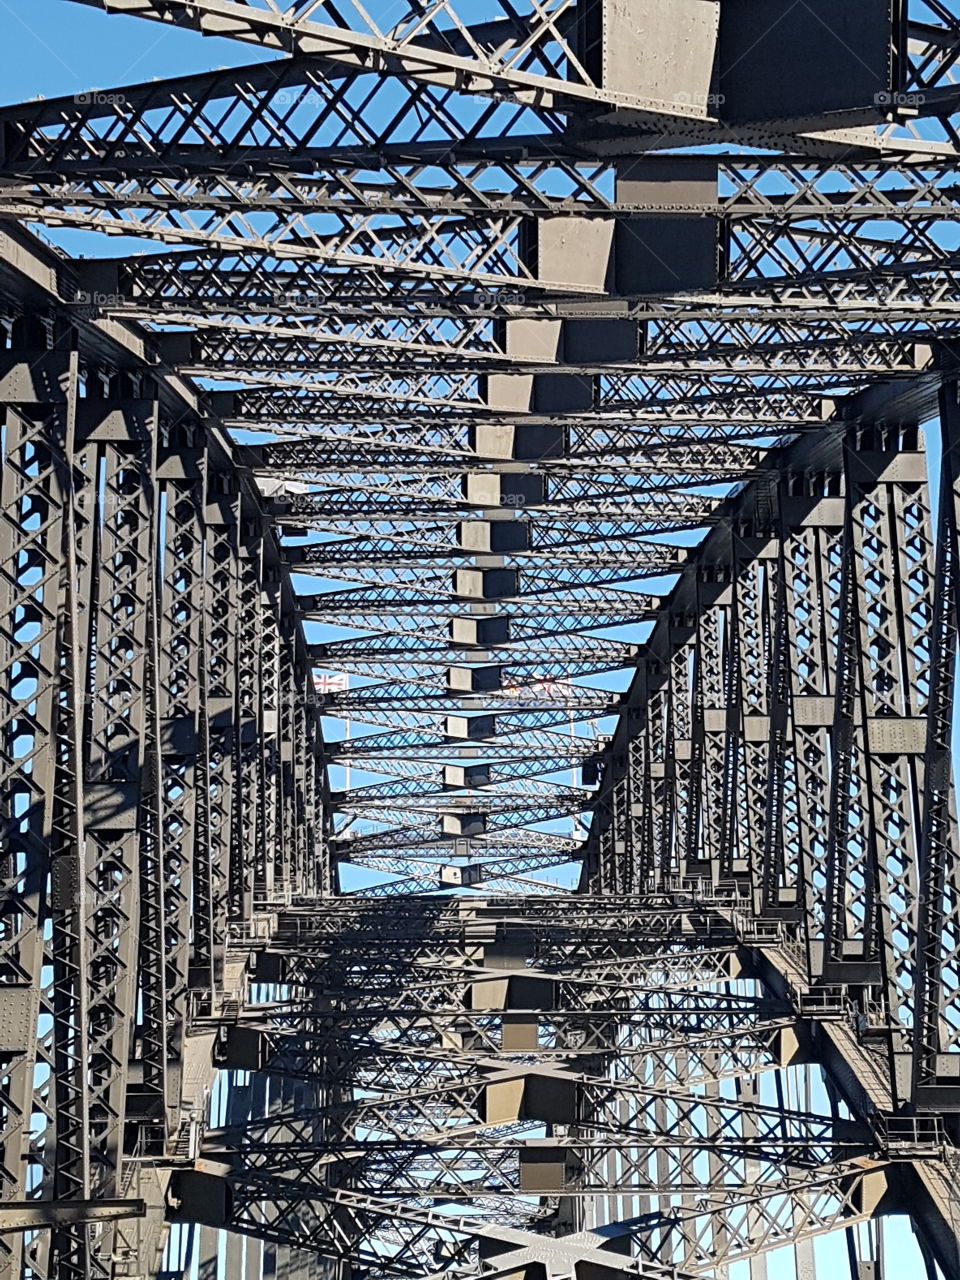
x: 520, y: 410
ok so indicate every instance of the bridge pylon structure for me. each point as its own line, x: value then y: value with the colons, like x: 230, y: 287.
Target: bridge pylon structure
x: 479, y: 583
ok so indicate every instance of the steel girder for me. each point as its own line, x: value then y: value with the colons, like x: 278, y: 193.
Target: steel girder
x: 572, y: 56
x: 448, y: 1050
x: 125, y: 734
x: 598, y: 465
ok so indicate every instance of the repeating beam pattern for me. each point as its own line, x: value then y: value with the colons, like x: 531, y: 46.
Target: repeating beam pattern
x: 478, y: 645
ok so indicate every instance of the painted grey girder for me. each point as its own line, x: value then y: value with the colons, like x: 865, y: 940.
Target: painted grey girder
x: 478, y: 645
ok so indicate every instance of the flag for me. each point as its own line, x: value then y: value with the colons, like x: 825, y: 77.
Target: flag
x: 327, y: 683
x: 551, y: 690
x: 540, y: 691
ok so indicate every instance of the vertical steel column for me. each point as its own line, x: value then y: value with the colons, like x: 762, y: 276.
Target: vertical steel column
x: 219, y: 724
x: 755, y: 590
x: 270, y: 869
x: 717, y: 736
x: 302, y: 691
x: 71, y: 1250
x: 853, y: 923
x: 314, y: 853
x: 118, y: 464
x: 936, y: 1039
x: 148, y: 1083
x: 248, y: 832
x: 40, y: 667
x: 640, y: 768
x: 812, y: 540
x: 685, y: 736
x: 779, y: 878
x: 289, y: 710
x: 659, y: 721
x: 184, y: 778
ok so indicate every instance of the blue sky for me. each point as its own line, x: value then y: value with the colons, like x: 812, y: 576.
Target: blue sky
x: 52, y: 47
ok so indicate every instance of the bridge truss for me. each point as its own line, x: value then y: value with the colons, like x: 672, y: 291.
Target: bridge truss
x: 478, y: 648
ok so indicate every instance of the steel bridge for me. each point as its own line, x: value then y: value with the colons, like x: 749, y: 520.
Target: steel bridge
x: 478, y: 646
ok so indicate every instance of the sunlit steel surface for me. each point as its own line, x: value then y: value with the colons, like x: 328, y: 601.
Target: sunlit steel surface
x: 478, y: 647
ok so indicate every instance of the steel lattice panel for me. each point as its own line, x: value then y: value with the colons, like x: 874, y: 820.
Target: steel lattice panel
x: 479, y: 648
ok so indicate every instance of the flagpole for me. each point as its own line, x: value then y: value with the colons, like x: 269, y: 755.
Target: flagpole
x: 346, y: 736
x: 338, y: 683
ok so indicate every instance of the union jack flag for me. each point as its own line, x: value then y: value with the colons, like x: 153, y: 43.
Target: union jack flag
x: 538, y: 691
x: 328, y: 683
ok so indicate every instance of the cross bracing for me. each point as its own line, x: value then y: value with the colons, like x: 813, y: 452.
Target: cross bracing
x: 479, y: 647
